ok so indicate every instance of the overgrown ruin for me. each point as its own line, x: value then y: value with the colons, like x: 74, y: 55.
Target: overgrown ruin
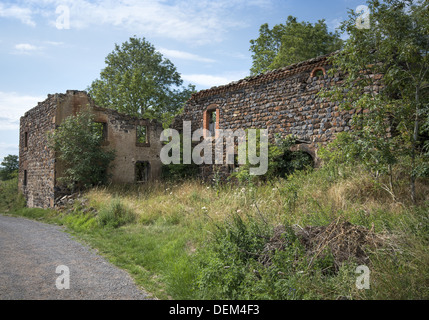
x: 136, y: 142
x: 284, y: 101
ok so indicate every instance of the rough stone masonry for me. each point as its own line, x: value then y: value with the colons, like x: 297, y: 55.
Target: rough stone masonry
x: 284, y: 101
x: 136, y: 161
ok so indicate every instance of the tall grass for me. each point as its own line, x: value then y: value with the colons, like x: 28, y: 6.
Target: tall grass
x: 193, y: 240
x: 186, y: 220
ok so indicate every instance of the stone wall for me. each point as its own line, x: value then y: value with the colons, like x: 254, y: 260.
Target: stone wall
x: 122, y: 137
x: 36, y: 160
x: 40, y: 168
x: 284, y: 101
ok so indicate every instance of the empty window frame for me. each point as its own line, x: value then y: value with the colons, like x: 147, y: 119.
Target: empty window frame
x: 142, y: 171
x: 142, y: 135
x: 318, y: 72
x: 26, y: 139
x: 211, y: 119
x: 25, y: 178
x: 100, y: 129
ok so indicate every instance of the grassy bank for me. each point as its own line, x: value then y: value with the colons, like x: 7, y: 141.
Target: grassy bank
x: 191, y: 240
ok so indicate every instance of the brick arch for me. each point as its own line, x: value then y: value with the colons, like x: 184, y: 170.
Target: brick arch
x: 311, y: 149
x: 313, y: 72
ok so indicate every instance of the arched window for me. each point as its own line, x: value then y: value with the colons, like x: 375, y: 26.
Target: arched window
x: 318, y: 72
x: 211, y: 119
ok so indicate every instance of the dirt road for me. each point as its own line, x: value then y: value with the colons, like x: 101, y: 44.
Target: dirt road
x: 31, y: 252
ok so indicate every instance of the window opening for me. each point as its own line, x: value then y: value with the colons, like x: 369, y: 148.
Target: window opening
x: 212, y: 122
x: 318, y: 72
x: 142, y: 171
x: 101, y: 130
x: 142, y: 134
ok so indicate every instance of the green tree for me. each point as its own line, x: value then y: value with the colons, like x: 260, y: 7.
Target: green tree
x: 139, y: 81
x: 395, y: 124
x: 78, y: 144
x: 290, y: 43
x: 10, y: 165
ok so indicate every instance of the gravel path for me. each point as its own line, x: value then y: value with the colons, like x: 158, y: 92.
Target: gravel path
x: 30, y: 253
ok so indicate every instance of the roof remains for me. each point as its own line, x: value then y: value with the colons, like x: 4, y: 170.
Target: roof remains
x: 267, y: 76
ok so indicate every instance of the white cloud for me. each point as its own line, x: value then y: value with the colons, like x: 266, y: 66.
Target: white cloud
x: 208, y: 81
x: 175, y: 54
x: 193, y: 21
x: 234, y: 54
x: 28, y: 49
x: 55, y: 43
x: 13, y: 106
x: 183, y: 20
x: 22, y: 14
x: 25, y: 47
x: 4, y: 145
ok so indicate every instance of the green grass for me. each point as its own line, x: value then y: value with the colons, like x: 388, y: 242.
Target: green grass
x: 181, y: 241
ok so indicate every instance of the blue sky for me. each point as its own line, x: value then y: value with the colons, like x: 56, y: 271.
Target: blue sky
x: 43, y: 52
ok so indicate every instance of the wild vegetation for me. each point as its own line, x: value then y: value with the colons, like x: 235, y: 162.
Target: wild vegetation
x: 298, y: 232
x: 394, y: 127
x: 192, y: 240
x: 78, y: 142
x: 292, y: 42
x: 9, y: 167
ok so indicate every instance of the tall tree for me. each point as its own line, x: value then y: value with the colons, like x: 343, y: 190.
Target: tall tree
x: 139, y: 81
x: 396, y: 47
x: 10, y: 165
x: 292, y: 42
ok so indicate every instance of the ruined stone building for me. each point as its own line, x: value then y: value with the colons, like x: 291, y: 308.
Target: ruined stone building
x: 136, y: 142
x: 284, y: 101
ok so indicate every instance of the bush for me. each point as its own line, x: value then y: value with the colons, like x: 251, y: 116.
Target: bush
x: 180, y: 172
x: 246, y: 261
x: 115, y: 215
x: 282, y: 162
x: 285, y: 162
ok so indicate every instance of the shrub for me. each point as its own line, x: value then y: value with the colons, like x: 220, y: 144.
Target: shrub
x: 115, y: 215
x: 281, y: 161
x: 249, y: 259
x: 180, y: 172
